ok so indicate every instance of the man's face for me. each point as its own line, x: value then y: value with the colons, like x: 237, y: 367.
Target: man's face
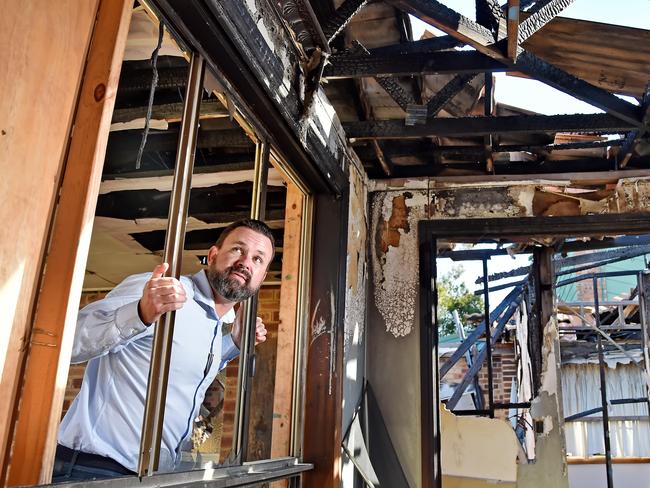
x: 237, y: 269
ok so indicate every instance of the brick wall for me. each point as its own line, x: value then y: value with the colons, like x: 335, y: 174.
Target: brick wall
x: 259, y: 438
x: 222, y: 424
x: 504, y: 369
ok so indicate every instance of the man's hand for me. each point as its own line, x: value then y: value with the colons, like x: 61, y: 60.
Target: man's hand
x: 161, y: 294
x: 238, y: 325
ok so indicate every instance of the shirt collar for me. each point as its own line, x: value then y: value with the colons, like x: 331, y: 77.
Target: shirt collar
x: 203, y: 294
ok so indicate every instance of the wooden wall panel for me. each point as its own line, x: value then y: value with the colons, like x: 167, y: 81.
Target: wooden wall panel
x: 287, y: 328
x: 43, y: 385
x: 43, y: 48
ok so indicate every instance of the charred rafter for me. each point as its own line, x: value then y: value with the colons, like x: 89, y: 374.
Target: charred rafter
x: 489, y: 15
x: 390, y: 86
x: 563, y: 81
x: 407, y: 63
x: 437, y: 102
x: 305, y: 24
x: 634, y: 138
x: 488, y: 106
x: 586, y: 165
x: 513, y: 29
x: 543, y: 12
x: 480, y: 126
x: 435, y: 44
x: 479, y: 37
x: 415, y: 149
x: 452, y: 23
x: 342, y: 17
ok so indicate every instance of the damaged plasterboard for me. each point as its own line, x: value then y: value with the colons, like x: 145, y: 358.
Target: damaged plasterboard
x: 199, y: 180
x: 355, y: 290
x: 549, y: 467
x: 478, y: 448
x: 394, y: 242
x: 482, y: 202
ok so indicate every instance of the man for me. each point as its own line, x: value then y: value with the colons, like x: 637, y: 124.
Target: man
x: 100, y: 434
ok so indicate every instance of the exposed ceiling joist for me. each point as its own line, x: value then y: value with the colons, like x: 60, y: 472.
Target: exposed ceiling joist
x: 634, y: 138
x: 479, y: 126
x: 478, y: 37
x: 513, y: 29
x: 448, y: 92
x: 342, y: 17
x: 543, y: 12
x: 390, y: 85
x: 489, y: 15
x: 411, y: 63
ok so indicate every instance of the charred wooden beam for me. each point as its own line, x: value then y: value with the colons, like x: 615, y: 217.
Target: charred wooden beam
x: 563, y: 81
x: 452, y: 23
x: 305, y: 24
x: 435, y: 44
x: 513, y: 29
x: 634, y: 138
x: 543, y: 12
x: 477, y: 151
x: 479, y: 126
x: 437, y: 102
x: 488, y: 140
x: 168, y: 111
x: 502, y: 168
x: 391, y: 86
x: 408, y: 63
x: 342, y: 17
x: 385, y: 164
x: 489, y: 15
x: 140, y: 80
x: 480, y: 38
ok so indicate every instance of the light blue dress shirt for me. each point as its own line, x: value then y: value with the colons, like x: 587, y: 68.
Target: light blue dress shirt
x: 106, y: 416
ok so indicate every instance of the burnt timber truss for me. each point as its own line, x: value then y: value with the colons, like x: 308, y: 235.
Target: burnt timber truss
x: 496, y: 38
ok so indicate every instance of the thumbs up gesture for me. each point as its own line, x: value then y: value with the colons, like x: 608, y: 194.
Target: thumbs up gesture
x: 161, y: 294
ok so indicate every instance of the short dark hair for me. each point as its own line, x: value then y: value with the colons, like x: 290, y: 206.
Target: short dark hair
x: 253, y: 224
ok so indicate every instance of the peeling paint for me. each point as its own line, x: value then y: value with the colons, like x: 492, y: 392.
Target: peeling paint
x: 549, y: 467
x: 355, y: 291
x: 395, y: 257
x: 479, y: 202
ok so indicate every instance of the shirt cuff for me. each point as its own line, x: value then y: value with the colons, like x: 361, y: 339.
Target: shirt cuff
x: 229, y: 350
x: 127, y: 320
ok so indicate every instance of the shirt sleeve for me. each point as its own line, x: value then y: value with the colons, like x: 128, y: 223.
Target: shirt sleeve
x: 229, y: 351
x: 109, y: 324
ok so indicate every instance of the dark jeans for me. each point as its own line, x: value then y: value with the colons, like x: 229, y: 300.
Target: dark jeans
x: 71, y: 465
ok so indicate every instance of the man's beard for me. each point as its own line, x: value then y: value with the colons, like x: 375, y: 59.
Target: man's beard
x: 228, y: 286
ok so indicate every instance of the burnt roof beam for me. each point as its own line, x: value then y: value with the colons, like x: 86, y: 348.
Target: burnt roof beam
x: 580, y: 89
x: 435, y: 44
x: 303, y: 20
x: 480, y: 38
x: 634, y: 138
x: 489, y: 15
x: 452, y: 23
x: 400, y: 96
x: 513, y: 29
x: 479, y: 126
x: 543, y: 12
x: 342, y: 17
x: 411, y: 63
x: 437, y: 102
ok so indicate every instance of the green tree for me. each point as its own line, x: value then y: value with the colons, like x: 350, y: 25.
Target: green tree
x: 454, y: 295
